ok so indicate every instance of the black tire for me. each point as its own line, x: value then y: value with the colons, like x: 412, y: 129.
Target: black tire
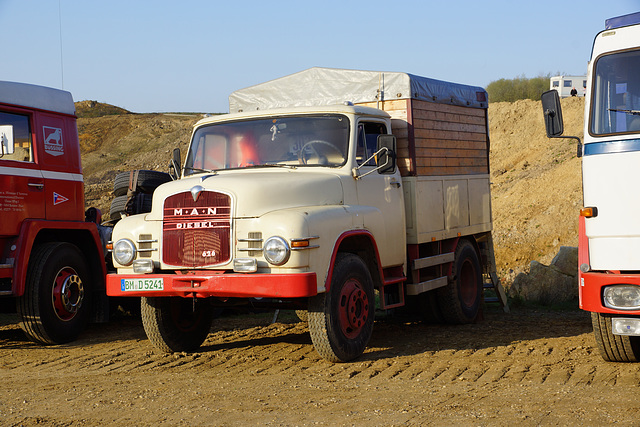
x: 148, y: 181
x: 117, y: 208
x: 121, y: 206
x: 461, y: 299
x: 172, y: 324
x: 57, y: 298
x: 614, y: 348
x: 341, y: 319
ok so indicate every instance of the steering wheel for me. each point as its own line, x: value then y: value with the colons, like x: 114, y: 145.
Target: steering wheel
x: 301, y: 156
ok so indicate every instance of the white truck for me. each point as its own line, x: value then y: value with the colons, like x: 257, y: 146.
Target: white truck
x: 609, y: 227
x: 327, y: 190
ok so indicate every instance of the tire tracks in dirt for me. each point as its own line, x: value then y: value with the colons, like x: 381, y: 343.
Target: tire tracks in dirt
x: 286, y: 349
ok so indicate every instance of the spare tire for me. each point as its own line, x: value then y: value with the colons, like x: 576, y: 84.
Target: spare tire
x: 117, y: 207
x: 147, y: 181
x: 122, y: 205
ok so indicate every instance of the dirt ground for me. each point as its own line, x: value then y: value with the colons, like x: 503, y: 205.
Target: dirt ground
x: 532, y: 367
x: 529, y: 367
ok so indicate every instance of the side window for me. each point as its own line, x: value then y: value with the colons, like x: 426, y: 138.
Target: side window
x: 556, y: 83
x: 368, y: 141
x: 568, y: 83
x: 15, y: 137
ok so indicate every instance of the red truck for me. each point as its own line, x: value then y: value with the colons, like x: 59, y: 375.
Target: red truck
x: 52, y: 258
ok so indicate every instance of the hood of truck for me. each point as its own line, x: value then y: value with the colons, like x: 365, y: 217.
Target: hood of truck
x: 256, y: 192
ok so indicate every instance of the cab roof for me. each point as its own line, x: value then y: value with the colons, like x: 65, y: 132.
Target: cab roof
x: 38, y: 97
x: 294, y: 111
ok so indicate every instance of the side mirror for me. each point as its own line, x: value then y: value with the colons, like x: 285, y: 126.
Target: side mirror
x: 7, y: 145
x: 387, y: 156
x: 174, y: 167
x: 553, y: 117
x: 552, y: 113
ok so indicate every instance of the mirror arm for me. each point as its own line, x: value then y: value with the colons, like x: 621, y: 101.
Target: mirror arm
x: 579, y: 148
x: 355, y: 170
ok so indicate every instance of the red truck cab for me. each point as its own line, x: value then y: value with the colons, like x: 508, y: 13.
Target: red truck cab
x: 51, y: 259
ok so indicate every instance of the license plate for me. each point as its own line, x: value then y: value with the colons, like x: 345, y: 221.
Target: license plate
x: 130, y: 285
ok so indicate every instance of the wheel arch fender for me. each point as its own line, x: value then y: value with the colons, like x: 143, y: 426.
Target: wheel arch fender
x: 83, y: 235
x: 360, y: 243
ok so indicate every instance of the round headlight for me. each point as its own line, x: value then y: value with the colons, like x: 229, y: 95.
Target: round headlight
x: 124, y: 251
x: 276, y: 250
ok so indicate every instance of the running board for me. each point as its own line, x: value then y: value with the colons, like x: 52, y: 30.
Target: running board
x: 418, y: 288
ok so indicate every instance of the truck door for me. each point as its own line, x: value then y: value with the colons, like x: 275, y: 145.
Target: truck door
x: 59, y: 157
x: 21, y: 181
x: 384, y: 193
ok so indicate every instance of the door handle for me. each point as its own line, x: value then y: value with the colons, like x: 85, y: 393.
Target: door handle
x: 37, y: 185
x: 395, y: 183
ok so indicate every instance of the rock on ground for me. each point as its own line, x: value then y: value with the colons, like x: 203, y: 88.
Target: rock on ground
x: 549, y: 284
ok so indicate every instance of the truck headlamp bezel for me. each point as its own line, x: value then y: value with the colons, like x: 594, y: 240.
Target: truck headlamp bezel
x: 124, y: 252
x: 276, y: 250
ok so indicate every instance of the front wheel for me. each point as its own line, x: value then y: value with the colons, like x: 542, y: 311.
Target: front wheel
x: 56, y: 301
x: 175, y: 324
x: 341, y: 319
x: 614, y: 348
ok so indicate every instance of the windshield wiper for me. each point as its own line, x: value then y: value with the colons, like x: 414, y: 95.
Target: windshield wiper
x: 200, y: 170
x: 269, y: 165
x: 618, y: 110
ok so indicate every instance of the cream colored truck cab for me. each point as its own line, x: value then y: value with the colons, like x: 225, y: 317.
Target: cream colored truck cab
x: 303, y: 206
x: 265, y: 204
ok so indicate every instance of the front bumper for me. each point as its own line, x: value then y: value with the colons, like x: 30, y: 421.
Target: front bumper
x: 206, y: 284
x: 591, y: 291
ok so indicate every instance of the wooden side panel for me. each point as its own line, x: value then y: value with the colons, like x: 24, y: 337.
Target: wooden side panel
x: 438, y: 139
x: 450, y: 139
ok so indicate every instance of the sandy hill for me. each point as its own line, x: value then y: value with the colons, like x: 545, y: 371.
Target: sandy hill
x: 536, y: 190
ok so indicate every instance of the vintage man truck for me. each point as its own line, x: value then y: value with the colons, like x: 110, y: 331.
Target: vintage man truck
x: 609, y: 227
x: 52, y: 264
x: 327, y: 190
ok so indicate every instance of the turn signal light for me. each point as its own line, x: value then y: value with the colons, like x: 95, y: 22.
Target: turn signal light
x: 589, y: 212
x: 299, y: 243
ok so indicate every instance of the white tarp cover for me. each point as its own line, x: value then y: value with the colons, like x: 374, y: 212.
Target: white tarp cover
x: 40, y: 97
x: 329, y: 86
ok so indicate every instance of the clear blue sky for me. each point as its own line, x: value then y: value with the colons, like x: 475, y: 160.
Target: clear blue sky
x: 188, y: 55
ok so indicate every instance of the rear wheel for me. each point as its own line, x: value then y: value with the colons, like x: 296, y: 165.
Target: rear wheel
x: 174, y: 323
x: 341, y: 319
x: 56, y: 301
x: 614, y: 348
x: 460, y: 300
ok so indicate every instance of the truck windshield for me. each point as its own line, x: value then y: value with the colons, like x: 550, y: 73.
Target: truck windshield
x: 320, y: 140
x: 616, y: 98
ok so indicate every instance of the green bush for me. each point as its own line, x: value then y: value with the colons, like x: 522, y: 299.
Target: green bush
x: 509, y: 90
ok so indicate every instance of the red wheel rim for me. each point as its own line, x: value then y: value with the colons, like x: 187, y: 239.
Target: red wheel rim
x: 468, y: 283
x: 353, y: 310
x: 67, y: 294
